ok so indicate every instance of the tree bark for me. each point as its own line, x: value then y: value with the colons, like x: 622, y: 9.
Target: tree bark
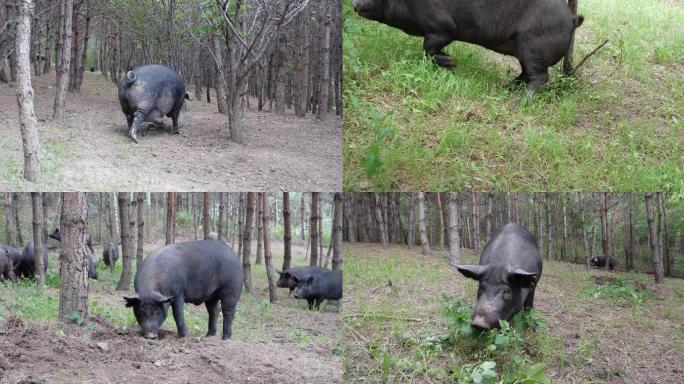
x: 111, y: 226
x: 653, y: 240
x: 287, y: 236
x: 27, y: 117
x: 73, y: 269
x: 37, y: 205
x: 605, y: 240
x: 337, y: 233
x: 170, y: 218
x: 220, y: 216
x: 140, y: 196
x: 9, y: 230
x: 549, y: 228
x: 301, y: 217
x: 425, y: 245
x: 379, y: 219
x: 247, y: 242
x: 17, y: 222
x: 205, y: 215
x: 488, y: 220
x: 124, y: 223
x: 260, y: 228
x: 268, y: 259
x: 454, y: 236
x: 313, y: 229
x: 631, y: 250
x: 411, y: 236
x: 476, y: 222
x: 662, y: 233
x: 63, y: 80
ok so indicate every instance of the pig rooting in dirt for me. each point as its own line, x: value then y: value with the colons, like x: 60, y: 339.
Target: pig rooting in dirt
x: 510, y: 267
x: 203, y: 271
x: 149, y: 93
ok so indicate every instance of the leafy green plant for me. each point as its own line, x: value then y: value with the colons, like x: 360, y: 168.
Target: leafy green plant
x: 621, y: 291
x: 458, y: 316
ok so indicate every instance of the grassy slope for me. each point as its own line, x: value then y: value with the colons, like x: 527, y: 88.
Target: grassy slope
x: 620, y: 127
x: 585, y: 339
x: 256, y: 318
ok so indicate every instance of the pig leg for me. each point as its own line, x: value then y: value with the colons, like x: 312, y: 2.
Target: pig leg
x: 138, y: 118
x: 228, y: 309
x: 177, y: 308
x: 433, y: 45
x: 174, y: 118
x: 213, y: 309
x: 311, y: 303
x: 129, y: 119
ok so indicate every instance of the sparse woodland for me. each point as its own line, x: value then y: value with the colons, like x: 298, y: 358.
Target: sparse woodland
x: 263, y: 55
x: 643, y: 231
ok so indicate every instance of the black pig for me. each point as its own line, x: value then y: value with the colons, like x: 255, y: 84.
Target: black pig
x: 149, y: 93
x: 202, y: 271
x: 537, y: 32
x: 315, y: 289
x: 510, y: 267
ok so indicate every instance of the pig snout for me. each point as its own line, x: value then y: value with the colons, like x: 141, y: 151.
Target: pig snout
x: 480, y: 324
x: 150, y: 335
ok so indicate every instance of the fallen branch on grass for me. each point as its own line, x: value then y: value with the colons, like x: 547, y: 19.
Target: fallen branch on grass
x: 385, y: 317
x: 588, y: 56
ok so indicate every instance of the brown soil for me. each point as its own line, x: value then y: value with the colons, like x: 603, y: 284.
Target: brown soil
x: 69, y: 354
x: 92, y: 151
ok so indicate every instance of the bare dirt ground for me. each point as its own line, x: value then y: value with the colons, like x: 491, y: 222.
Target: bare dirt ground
x: 92, y: 151
x: 46, y: 354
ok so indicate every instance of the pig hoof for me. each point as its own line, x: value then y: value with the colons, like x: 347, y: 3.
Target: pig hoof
x: 445, y: 61
x: 135, y: 138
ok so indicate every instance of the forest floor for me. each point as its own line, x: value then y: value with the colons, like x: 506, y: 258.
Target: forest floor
x: 596, y: 326
x: 92, y: 150
x: 271, y: 343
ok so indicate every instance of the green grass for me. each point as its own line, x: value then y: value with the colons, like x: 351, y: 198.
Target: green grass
x: 418, y: 330
x: 410, y: 125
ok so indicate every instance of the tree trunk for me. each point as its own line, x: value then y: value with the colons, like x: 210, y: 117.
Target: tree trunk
x: 9, y: 230
x: 425, y: 245
x: 73, y: 268
x: 259, y: 224
x: 140, y: 197
x: 170, y: 218
x: 379, y: 220
x: 268, y: 259
x: 585, y: 236
x: 325, y: 66
x: 220, y: 217
x: 124, y: 223
x: 206, y: 228
x: 337, y: 232
x: 301, y: 217
x: 194, y: 214
x: 411, y: 236
x: 17, y: 222
x: 313, y: 229
x: 605, y: 240
x: 37, y: 205
x: 488, y: 220
x: 454, y: 236
x: 476, y: 222
x: 287, y: 235
x: 27, y: 117
x: 631, y: 250
x: 66, y: 63
x: 662, y: 233
x: 653, y: 240
x: 441, y: 222
x: 247, y: 242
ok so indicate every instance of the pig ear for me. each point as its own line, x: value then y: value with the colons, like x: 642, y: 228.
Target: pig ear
x: 132, y: 301
x: 522, y: 277
x: 475, y: 272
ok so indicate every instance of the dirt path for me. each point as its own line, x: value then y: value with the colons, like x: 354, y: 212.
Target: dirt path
x: 92, y: 151
x: 71, y: 354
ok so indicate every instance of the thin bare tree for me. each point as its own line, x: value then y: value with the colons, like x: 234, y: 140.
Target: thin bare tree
x: 268, y: 258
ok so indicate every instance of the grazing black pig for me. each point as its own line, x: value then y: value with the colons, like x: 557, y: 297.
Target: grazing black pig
x: 600, y: 261
x: 201, y: 271
x: 317, y: 288
x: 510, y: 267
x: 286, y: 279
x: 6, y: 267
x: 149, y: 93
x: 110, y: 254
x: 537, y: 32
x: 24, y: 266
